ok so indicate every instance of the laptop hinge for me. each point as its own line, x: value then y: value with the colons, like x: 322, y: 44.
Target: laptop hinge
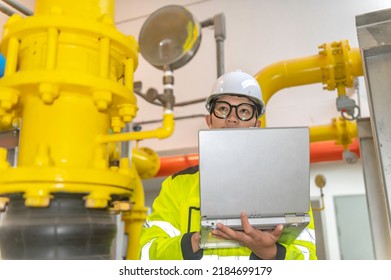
x: 295, y: 218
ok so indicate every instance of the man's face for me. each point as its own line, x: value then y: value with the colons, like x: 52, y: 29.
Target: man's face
x: 232, y: 120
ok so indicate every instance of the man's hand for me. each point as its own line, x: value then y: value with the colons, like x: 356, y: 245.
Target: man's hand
x: 261, y: 243
x: 195, y: 242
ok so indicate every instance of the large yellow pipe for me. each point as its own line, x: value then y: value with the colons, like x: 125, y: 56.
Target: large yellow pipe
x: 135, y: 219
x: 69, y: 79
x: 90, y: 10
x: 335, y: 66
x: 340, y: 130
x: 290, y: 73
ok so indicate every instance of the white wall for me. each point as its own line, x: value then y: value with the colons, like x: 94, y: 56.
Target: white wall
x: 341, y: 179
x: 259, y: 33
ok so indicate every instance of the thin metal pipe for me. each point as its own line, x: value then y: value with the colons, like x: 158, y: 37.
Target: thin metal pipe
x: 5, y: 10
x: 125, y: 146
x: 179, y: 104
x: 185, y: 103
x: 19, y: 7
x: 206, y: 23
x: 220, y: 34
x: 218, y: 22
x: 220, y: 57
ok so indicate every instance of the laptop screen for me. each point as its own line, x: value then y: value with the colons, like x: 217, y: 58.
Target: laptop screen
x: 262, y: 171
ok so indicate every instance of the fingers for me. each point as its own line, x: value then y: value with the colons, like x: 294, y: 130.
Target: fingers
x: 253, y: 232
x: 221, y: 234
x: 249, y: 233
x: 247, y: 228
x: 277, y: 231
x: 224, y: 232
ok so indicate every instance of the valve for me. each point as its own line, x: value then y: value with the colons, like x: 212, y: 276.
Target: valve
x: 167, y: 98
x: 151, y: 95
x: 349, y: 157
x: 348, y: 108
x: 137, y: 127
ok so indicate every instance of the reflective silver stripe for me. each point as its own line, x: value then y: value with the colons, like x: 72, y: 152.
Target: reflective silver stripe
x: 145, y: 251
x: 217, y: 257
x: 304, y: 251
x: 167, y: 227
x: 307, y: 235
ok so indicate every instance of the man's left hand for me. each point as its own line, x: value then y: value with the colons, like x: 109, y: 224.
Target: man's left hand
x: 261, y: 243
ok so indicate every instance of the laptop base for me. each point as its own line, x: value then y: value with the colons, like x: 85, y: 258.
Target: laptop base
x: 293, y: 226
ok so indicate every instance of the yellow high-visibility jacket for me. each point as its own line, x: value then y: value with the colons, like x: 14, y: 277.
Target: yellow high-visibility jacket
x: 166, y: 234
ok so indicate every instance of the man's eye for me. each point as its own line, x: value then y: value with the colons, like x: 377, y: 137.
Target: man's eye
x: 223, y: 109
x: 244, y: 111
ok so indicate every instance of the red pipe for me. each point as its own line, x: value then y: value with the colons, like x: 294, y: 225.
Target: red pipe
x: 173, y: 164
x: 319, y: 152
x: 329, y: 151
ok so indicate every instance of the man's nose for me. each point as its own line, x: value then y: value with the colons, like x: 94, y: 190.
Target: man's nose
x: 232, y: 116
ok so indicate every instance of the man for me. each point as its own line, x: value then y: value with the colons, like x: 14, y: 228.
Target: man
x: 172, y: 230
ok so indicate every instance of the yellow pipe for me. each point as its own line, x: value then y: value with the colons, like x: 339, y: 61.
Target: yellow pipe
x: 146, y: 161
x: 290, y: 73
x: 65, y: 81
x: 338, y: 129
x: 129, y: 69
x: 336, y: 65
x: 162, y: 132
x: 52, y: 48
x: 145, y: 164
x: 322, y: 133
x: 87, y: 9
x: 104, y: 57
x: 134, y: 219
x: 12, y: 56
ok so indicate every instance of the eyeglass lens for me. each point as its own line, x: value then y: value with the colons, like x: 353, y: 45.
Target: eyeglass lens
x: 244, y: 111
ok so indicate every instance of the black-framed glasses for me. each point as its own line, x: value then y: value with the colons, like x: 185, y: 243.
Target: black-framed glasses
x: 244, y: 111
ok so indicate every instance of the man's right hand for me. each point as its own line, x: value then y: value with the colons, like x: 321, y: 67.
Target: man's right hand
x: 195, y: 242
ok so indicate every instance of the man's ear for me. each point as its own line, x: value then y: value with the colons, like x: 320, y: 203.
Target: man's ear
x: 258, y: 123
x: 208, y: 120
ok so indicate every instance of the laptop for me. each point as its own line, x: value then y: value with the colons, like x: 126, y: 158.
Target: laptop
x: 262, y: 171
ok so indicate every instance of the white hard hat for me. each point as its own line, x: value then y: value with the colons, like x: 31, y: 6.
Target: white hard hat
x: 237, y: 83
